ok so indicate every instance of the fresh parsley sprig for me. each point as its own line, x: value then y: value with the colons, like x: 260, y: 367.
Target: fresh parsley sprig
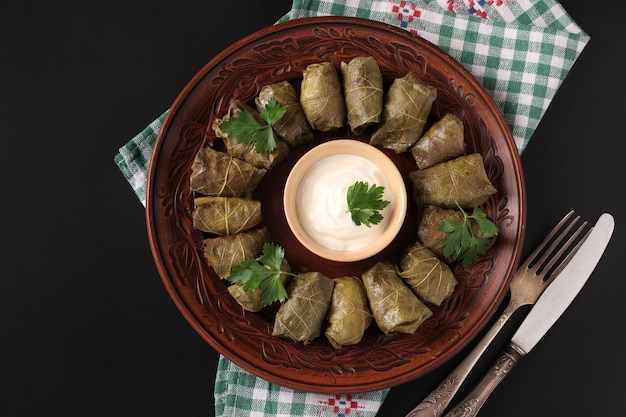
x: 463, y: 242
x: 365, y: 203
x: 263, y: 274
x: 247, y: 129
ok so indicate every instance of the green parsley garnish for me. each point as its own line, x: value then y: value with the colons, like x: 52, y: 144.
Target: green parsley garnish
x: 247, y: 129
x: 365, y: 203
x: 463, y: 242
x: 263, y: 274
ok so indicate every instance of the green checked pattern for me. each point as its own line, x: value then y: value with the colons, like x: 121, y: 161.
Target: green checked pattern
x: 134, y: 157
x: 239, y: 393
x: 520, y: 50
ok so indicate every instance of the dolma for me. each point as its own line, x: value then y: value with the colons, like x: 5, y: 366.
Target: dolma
x: 405, y: 113
x: 247, y: 151
x: 216, y: 173
x: 349, y: 315
x: 460, y: 181
x: 429, y: 278
x: 428, y: 233
x: 226, y: 215
x: 301, y: 317
x: 248, y: 300
x: 363, y: 91
x: 234, y: 108
x: 443, y: 141
x: 394, y: 306
x: 292, y: 127
x: 252, y: 300
x: 227, y: 252
x: 321, y: 97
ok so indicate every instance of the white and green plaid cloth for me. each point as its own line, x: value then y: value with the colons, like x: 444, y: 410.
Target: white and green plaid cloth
x: 239, y: 393
x: 520, y: 50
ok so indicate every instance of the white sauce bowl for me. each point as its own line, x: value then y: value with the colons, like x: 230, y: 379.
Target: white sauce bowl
x: 315, y: 200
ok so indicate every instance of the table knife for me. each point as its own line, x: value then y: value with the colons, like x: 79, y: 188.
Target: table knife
x: 550, y: 306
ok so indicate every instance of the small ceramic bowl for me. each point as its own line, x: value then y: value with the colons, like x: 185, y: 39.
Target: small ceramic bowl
x: 394, y: 216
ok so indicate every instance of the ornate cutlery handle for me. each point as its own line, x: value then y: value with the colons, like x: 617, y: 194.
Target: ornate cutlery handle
x: 474, y: 401
x: 436, y: 402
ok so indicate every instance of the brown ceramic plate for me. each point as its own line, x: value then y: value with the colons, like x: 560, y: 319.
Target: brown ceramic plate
x: 282, y: 52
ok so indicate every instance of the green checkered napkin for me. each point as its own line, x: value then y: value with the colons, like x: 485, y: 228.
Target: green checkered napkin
x: 520, y: 50
x: 239, y: 393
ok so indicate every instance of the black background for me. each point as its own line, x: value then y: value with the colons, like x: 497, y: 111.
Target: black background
x: 87, y: 327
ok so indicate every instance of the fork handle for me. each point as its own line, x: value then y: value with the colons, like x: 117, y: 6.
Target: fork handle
x: 437, y: 401
x: 474, y: 401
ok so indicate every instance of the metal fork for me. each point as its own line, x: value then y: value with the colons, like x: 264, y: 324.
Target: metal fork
x: 529, y: 281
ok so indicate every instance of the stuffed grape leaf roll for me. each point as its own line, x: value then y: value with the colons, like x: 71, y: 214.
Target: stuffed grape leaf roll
x: 226, y: 215
x: 216, y: 173
x: 292, y: 127
x: 248, y: 300
x: 247, y: 151
x: 394, y: 306
x: 235, y: 107
x: 443, y: 141
x: 301, y: 317
x: 321, y: 97
x: 349, y: 314
x: 428, y: 233
x: 405, y: 113
x: 460, y: 181
x: 363, y: 92
x: 253, y: 300
x: 429, y: 278
x: 227, y: 252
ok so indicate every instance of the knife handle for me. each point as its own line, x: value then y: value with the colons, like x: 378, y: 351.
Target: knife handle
x: 437, y: 401
x: 474, y: 401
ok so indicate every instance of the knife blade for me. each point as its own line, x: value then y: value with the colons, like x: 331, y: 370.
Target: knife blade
x: 546, y: 311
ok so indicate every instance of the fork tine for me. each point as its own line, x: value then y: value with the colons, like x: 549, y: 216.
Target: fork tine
x: 532, y: 258
x: 571, y: 253
x: 565, y: 246
x: 548, y: 254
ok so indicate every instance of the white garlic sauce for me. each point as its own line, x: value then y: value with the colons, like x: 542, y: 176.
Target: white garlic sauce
x: 322, y: 205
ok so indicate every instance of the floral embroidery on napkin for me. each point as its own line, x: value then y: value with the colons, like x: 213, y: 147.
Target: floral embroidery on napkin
x: 485, y: 9
x: 342, y: 406
x: 405, y: 13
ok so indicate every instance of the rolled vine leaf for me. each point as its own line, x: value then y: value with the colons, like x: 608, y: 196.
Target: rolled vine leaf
x: 363, y: 91
x: 224, y: 253
x: 321, y: 97
x: 302, y: 316
x: 215, y: 173
x: 405, y: 113
x: 394, y: 306
x: 429, y: 277
x: 226, y: 215
x: 461, y: 181
x: 292, y: 127
x: 349, y: 314
x: 443, y: 141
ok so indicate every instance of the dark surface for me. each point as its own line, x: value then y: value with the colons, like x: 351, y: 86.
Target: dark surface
x: 87, y: 326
